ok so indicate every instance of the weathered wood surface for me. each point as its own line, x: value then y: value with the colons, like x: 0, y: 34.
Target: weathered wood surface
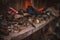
x: 29, y: 30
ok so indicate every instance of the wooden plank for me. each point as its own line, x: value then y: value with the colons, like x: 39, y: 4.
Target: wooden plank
x: 28, y: 31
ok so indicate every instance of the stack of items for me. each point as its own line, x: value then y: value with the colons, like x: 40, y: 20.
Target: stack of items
x: 15, y: 21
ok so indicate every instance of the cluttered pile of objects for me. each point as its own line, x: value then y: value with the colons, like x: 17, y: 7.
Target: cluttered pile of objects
x: 15, y: 21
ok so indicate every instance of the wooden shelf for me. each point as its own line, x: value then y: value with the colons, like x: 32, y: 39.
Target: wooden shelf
x: 28, y: 31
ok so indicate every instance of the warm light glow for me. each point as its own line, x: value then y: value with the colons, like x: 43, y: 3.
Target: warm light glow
x: 28, y: 3
x: 40, y: 9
